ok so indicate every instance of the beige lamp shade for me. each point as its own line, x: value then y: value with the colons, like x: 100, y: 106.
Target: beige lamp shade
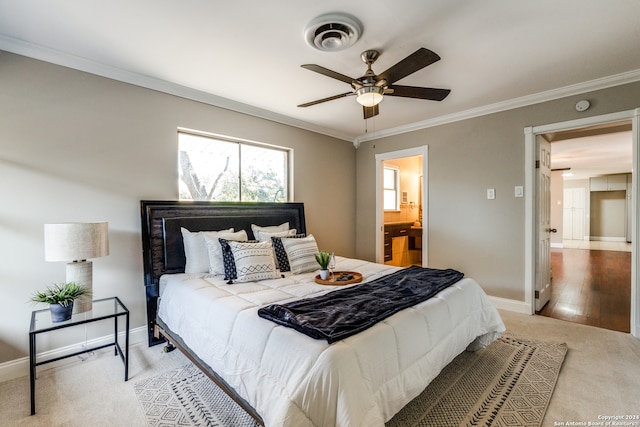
x: 75, y: 241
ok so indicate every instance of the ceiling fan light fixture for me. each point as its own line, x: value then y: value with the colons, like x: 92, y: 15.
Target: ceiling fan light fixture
x: 332, y: 32
x: 368, y: 96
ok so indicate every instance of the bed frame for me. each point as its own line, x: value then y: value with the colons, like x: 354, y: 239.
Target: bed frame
x: 163, y: 253
x: 162, y: 247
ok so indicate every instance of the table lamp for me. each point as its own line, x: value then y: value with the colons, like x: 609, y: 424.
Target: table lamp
x: 75, y: 242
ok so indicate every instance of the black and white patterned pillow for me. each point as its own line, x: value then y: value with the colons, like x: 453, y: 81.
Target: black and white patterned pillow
x: 216, y: 265
x: 282, y: 262
x: 229, y: 263
x: 301, y: 254
x: 254, y: 261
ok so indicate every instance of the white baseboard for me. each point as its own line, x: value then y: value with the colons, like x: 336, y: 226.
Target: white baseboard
x: 20, y: 367
x: 608, y: 239
x: 557, y: 245
x: 511, y: 305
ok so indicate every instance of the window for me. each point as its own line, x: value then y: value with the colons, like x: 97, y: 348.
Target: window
x: 391, y: 186
x: 214, y: 168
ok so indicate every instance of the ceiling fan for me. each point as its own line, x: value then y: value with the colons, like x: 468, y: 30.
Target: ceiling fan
x: 370, y: 88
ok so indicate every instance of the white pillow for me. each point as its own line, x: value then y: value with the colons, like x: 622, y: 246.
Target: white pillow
x: 195, y: 250
x: 301, y: 254
x: 264, y: 236
x: 270, y: 229
x: 215, y: 262
x: 254, y: 261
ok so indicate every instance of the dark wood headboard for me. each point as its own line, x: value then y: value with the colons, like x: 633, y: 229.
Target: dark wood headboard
x: 162, y: 247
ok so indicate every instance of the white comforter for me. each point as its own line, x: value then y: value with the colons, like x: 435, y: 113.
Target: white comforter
x: 294, y: 380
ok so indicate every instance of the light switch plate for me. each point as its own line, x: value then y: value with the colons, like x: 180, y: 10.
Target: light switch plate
x: 519, y: 191
x: 491, y: 193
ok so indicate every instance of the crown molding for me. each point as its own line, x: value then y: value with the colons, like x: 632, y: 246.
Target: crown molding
x: 537, y: 98
x: 78, y: 63
x: 53, y: 56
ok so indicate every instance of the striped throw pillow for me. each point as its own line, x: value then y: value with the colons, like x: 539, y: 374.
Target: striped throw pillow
x: 301, y: 254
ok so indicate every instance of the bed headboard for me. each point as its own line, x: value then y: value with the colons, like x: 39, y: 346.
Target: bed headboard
x: 162, y: 248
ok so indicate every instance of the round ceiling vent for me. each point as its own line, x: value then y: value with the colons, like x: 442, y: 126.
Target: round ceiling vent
x: 332, y: 32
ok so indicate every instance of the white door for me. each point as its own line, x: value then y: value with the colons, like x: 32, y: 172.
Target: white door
x: 543, y: 216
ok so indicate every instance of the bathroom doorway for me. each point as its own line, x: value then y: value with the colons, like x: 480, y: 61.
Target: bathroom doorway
x: 401, y: 208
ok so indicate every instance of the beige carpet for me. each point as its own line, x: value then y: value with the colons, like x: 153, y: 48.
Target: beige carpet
x: 509, y: 383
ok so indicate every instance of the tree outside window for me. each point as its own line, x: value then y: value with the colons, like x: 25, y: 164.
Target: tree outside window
x: 213, y: 168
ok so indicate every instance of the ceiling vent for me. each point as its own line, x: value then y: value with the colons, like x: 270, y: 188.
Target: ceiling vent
x: 332, y: 32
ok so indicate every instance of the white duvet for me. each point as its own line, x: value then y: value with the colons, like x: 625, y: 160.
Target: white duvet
x: 294, y: 380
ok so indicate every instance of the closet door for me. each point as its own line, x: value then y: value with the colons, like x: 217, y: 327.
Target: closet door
x: 573, y: 214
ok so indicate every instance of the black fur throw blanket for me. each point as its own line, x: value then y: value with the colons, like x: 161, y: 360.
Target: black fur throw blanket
x: 344, y: 312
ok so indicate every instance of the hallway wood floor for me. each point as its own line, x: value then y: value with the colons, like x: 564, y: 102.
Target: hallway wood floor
x: 591, y: 287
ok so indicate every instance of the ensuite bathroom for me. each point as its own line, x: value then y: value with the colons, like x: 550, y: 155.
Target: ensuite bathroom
x: 403, y: 211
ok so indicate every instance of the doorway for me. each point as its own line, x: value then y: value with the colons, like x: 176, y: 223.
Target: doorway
x: 531, y: 233
x: 590, y: 208
x: 406, y: 224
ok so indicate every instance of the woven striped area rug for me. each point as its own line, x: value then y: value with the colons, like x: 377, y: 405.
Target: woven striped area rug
x: 509, y: 383
x: 187, y: 397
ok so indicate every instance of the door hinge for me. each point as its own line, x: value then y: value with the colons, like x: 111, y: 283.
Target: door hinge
x: 537, y: 164
x: 537, y: 294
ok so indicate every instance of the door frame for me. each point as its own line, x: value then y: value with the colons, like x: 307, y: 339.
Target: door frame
x: 530, y: 243
x: 380, y: 159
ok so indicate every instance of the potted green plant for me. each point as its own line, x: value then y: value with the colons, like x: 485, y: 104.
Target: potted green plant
x: 60, y: 298
x: 323, y: 258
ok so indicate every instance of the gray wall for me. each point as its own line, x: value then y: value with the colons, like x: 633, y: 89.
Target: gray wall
x: 483, y: 238
x: 608, y: 214
x: 77, y: 147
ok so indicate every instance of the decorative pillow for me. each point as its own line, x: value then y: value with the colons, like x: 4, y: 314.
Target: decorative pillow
x: 254, y: 261
x: 229, y: 263
x: 269, y: 229
x: 301, y: 254
x: 195, y: 249
x: 216, y: 265
x: 230, y: 272
x: 282, y: 262
x: 265, y: 236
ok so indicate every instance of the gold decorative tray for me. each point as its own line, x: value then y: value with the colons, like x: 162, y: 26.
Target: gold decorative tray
x: 333, y: 278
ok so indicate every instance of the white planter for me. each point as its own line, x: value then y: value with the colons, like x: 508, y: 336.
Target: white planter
x: 324, y: 274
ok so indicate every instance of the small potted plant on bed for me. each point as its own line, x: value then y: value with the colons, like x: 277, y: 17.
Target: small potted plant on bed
x: 60, y: 298
x: 323, y: 259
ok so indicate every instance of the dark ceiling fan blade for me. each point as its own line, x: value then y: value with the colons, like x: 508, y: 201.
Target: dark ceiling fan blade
x: 430, y: 93
x: 327, y: 72
x: 369, y: 112
x: 331, y: 98
x: 409, y: 65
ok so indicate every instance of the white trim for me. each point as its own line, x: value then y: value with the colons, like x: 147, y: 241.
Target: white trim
x: 530, y: 146
x: 20, y: 367
x: 510, y: 305
x: 379, y: 159
x: 77, y: 63
x: 53, y: 56
x: 635, y: 226
x: 529, y: 219
x: 608, y: 239
x: 536, y: 98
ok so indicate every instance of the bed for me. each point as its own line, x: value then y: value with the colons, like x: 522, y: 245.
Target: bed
x: 277, y: 374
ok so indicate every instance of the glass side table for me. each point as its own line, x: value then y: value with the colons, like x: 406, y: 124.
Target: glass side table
x: 103, y: 309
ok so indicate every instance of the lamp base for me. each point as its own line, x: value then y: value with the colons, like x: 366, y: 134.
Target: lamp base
x: 81, y: 272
